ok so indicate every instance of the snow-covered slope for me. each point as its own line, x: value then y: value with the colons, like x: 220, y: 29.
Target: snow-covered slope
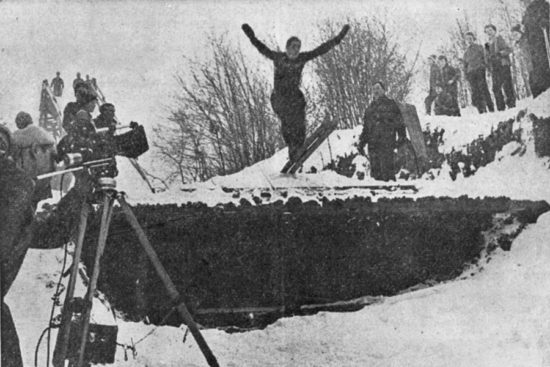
x: 498, y: 316
x: 498, y: 178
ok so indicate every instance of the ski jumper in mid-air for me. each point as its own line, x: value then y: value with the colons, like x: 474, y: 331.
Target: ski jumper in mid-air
x: 287, y: 99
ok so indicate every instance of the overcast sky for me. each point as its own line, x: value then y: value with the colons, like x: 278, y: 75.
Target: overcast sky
x: 134, y: 47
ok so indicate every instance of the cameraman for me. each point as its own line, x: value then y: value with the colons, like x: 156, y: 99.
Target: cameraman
x: 383, y: 124
x: 86, y: 99
x: 106, y: 118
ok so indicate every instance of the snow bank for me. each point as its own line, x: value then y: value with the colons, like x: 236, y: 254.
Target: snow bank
x: 499, y: 317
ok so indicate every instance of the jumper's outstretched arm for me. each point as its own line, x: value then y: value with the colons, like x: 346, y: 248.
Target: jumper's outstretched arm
x: 325, y: 47
x: 264, y: 50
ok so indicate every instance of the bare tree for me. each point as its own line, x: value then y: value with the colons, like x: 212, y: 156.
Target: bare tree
x: 369, y: 53
x: 221, y: 121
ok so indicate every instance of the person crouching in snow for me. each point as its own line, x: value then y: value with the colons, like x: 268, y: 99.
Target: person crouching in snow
x: 383, y: 131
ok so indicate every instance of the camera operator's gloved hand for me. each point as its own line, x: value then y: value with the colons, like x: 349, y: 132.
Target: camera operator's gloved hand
x: 133, y: 125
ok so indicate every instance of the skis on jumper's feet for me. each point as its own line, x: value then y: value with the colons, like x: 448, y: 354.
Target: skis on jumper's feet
x: 310, y: 146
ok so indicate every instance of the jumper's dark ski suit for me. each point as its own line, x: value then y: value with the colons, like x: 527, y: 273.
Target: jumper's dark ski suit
x: 287, y: 99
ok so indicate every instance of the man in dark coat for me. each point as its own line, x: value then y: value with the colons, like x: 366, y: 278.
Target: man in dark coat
x: 16, y: 212
x: 77, y: 81
x: 498, y: 55
x: 58, y: 85
x: 449, y: 81
x: 475, y: 67
x: 535, y: 19
x: 435, y: 76
x: 383, y: 131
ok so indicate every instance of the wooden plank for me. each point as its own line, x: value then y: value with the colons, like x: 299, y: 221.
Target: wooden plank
x: 412, y: 122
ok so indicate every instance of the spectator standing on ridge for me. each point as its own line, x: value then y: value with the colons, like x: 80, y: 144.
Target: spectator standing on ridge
x: 287, y: 100
x: 449, y: 81
x: 498, y: 55
x: 58, y: 85
x: 535, y: 20
x: 475, y: 67
x: 435, y: 76
x: 383, y: 131
x: 77, y: 81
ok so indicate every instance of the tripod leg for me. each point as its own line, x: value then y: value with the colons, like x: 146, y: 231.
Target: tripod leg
x: 103, y: 232
x: 170, y: 287
x: 62, y: 342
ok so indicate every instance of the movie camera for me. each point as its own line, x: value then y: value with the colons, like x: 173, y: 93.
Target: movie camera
x: 94, y: 150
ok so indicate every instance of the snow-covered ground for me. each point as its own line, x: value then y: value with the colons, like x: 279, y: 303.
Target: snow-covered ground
x: 499, y: 316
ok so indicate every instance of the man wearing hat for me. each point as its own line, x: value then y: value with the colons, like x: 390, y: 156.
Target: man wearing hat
x: 33, y: 150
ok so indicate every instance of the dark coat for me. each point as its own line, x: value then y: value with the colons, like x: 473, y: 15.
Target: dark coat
x: 288, y: 72
x: 536, y: 19
x: 57, y: 85
x: 69, y: 114
x: 383, y: 124
x: 449, y: 74
x: 498, y: 52
x: 16, y: 213
x: 445, y: 105
x: 474, y: 58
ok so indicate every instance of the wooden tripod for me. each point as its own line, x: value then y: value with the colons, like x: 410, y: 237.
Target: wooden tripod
x: 110, y: 195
